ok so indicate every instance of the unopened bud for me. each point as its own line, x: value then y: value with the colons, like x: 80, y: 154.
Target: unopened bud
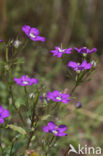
x: 78, y: 105
x: 32, y: 95
x: 17, y: 43
x: 93, y: 63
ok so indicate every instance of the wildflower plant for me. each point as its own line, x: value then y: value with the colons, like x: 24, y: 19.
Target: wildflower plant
x: 56, y: 96
x: 56, y: 130
x: 32, y: 33
x: 25, y: 81
x: 35, y: 124
x: 59, y: 51
x: 85, y: 50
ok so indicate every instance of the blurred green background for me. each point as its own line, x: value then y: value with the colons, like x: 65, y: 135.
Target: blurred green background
x: 70, y: 23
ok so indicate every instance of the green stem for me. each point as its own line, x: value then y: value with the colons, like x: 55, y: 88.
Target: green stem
x: 78, y: 81
x: 32, y: 121
x: 26, y: 93
x: 73, y: 89
x: 1, y: 149
x: 7, y: 54
x: 34, y: 107
x: 30, y: 137
x: 11, y: 149
x: 50, y: 145
x: 17, y: 110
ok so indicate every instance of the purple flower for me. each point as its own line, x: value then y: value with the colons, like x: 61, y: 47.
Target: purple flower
x: 32, y: 33
x: 42, y: 98
x: 85, y: 50
x: 25, y: 81
x: 58, y: 97
x: 56, y: 130
x: 1, y: 40
x: 78, y: 105
x: 79, y: 67
x: 4, y: 113
x: 59, y: 51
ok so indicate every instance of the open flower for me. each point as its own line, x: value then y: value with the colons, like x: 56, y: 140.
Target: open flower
x: 85, y: 50
x: 79, y: 67
x: 58, y: 96
x: 56, y: 130
x: 25, y: 81
x: 59, y: 51
x: 32, y: 33
x: 4, y: 113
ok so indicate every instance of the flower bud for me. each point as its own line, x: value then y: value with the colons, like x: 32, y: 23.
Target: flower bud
x: 16, y: 43
x: 78, y: 105
x: 93, y: 63
x: 32, y: 95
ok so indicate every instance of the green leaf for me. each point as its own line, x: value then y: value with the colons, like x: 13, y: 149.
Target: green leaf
x: 45, y: 117
x: 17, y: 128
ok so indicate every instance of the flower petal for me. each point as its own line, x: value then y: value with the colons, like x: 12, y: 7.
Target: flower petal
x: 72, y: 64
x: 5, y: 113
x: 62, y: 128
x: 1, y: 120
x: 52, y: 125
x: 46, y: 129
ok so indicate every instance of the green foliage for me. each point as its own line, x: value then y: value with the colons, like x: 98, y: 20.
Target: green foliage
x: 17, y: 128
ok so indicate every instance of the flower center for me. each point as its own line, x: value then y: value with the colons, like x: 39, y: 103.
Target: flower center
x: 61, y: 50
x: 85, y: 47
x: 58, y: 98
x: 84, y: 54
x: 78, y: 64
x: 25, y: 82
x: 32, y: 35
x: 55, y: 131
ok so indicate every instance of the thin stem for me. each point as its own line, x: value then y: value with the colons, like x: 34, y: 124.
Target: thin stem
x: 24, y: 45
x: 32, y: 121
x: 11, y: 149
x: 30, y: 137
x: 7, y: 54
x: 50, y: 145
x: 78, y: 81
x: 1, y: 149
x: 26, y: 93
x: 12, y: 145
x: 34, y: 107
x: 17, y: 110
x: 73, y: 89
